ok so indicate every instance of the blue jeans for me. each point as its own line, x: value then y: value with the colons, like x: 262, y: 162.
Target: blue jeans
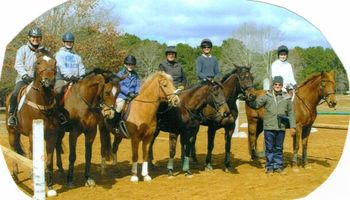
x: 274, y: 149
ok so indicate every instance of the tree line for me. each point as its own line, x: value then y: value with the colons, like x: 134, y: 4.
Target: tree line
x: 101, y: 44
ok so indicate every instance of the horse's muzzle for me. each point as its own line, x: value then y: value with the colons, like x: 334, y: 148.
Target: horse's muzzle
x: 174, y: 100
x: 48, y: 82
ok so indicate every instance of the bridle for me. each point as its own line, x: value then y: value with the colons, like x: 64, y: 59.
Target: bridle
x: 324, y: 94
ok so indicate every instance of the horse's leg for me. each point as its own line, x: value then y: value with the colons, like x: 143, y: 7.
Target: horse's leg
x: 228, y: 137
x: 59, y: 150
x: 258, y: 131
x: 296, y: 140
x: 145, y: 147
x: 252, y: 126
x: 15, y: 144
x: 305, y: 137
x: 186, y: 142
x: 193, y: 155
x: 89, y: 140
x: 105, y: 140
x: 72, y: 157
x: 135, y: 156
x: 172, y: 151
x: 117, y: 141
x: 150, y: 151
x: 211, y: 137
x: 50, y: 148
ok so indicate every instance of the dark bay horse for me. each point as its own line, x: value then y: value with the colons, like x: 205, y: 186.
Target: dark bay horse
x: 86, y: 102
x: 39, y: 104
x: 185, y: 119
x: 317, y: 87
x: 238, y: 82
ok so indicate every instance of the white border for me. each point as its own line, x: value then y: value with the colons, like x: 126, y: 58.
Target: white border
x: 329, y: 17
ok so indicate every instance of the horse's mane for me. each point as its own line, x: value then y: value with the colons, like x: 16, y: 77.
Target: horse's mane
x: 228, y: 75
x: 312, y: 77
x: 153, y: 76
x: 44, y: 52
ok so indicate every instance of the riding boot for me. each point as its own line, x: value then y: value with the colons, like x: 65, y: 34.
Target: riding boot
x: 12, y: 119
x: 120, y: 126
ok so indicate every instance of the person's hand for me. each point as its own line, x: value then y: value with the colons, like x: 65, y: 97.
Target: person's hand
x: 131, y: 95
x: 181, y: 87
x: 292, y: 131
x: 27, y: 79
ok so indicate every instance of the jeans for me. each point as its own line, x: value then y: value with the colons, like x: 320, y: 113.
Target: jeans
x: 274, y: 149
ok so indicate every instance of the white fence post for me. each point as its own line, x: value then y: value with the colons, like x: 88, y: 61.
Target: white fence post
x: 38, y: 160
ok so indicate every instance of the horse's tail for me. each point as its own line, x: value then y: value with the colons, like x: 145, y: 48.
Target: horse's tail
x: 106, y: 145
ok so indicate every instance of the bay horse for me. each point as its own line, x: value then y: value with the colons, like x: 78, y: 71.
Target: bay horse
x: 185, y: 119
x: 39, y: 103
x: 238, y: 82
x: 317, y: 87
x: 140, y: 119
x: 86, y: 102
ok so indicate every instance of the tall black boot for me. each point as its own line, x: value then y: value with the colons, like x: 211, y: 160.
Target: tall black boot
x: 12, y: 119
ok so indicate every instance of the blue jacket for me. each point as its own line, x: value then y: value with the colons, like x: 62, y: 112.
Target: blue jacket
x: 130, y: 84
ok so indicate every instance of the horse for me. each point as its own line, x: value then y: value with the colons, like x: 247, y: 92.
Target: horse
x: 88, y: 100
x: 238, y: 82
x: 317, y: 87
x: 185, y: 119
x: 140, y: 120
x: 38, y: 103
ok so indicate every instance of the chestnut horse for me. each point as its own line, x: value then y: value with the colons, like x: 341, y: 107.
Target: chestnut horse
x: 86, y: 102
x: 39, y: 103
x: 317, y: 87
x: 141, y: 120
x: 185, y: 119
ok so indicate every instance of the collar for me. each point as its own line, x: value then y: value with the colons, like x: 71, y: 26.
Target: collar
x: 206, y: 56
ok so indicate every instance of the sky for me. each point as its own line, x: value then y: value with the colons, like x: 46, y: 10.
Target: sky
x: 189, y: 21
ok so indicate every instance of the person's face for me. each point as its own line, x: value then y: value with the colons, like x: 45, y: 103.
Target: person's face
x: 277, y: 87
x: 68, y: 45
x: 206, y: 49
x: 130, y: 67
x: 170, y: 56
x: 34, y: 40
x: 283, y: 56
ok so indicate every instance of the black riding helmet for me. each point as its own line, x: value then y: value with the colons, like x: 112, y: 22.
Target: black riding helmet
x: 170, y: 49
x: 35, y: 32
x: 130, y: 60
x: 206, y: 43
x: 68, y: 37
x: 282, y: 48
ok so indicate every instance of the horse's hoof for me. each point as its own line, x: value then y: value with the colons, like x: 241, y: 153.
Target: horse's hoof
x: 208, y: 167
x: 188, y: 174
x: 134, y: 179
x: 147, y: 178
x: 152, y: 166
x: 229, y: 169
x: 170, y: 173
x: 51, y: 193
x: 70, y: 185
x: 90, y: 182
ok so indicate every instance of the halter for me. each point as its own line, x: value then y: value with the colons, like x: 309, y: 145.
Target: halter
x: 325, y: 95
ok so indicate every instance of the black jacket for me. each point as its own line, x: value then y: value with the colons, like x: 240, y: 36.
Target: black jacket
x: 176, y: 71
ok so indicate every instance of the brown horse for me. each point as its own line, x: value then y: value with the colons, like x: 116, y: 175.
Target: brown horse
x: 141, y: 121
x: 39, y: 104
x: 86, y: 102
x: 317, y: 87
x: 185, y: 119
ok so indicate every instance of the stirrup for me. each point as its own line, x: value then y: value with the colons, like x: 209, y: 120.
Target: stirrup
x: 123, y: 129
x: 12, y: 120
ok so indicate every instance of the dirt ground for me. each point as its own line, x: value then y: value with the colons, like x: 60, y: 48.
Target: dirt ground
x: 248, y: 181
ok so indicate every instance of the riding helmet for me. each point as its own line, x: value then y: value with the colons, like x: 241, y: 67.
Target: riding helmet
x: 282, y: 48
x: 68, y: 37
x: 130, y: 60
x: 170, y: 49
x: 206, y: 43
x: 35, y: 32
x: 277, y: 79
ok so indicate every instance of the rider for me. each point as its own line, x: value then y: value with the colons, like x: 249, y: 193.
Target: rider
x: 278, y: 110
x: 207, y: 67
x: 172, y: 67
x: 281, y: 67
x: 69, y: 67
x: 129, y: 87
x: 24, y: 65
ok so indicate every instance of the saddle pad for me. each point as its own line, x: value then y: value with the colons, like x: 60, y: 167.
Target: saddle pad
x: 23, y: 97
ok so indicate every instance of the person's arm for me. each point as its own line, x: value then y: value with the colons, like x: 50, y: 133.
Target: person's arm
x: 258, y: 103
x: 138, y: 84
x: 291, y: 75
x: 199, y: 66
x: 218, y: 75
x: 161, y: 67
x: 59, y: 64
x: 290, y: 109
x: 274, y: 70
x: 19, y: 63
x: 184, y: 78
